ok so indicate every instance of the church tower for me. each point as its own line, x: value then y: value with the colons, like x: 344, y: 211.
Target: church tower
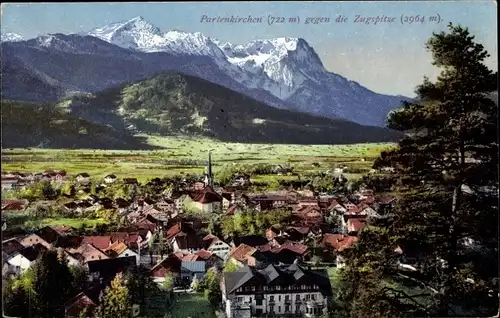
x: 209, y: 179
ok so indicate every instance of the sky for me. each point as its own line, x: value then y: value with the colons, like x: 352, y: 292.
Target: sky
x: 388, y: 58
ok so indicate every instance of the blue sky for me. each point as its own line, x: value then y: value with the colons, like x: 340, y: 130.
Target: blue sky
x: 387, y: 58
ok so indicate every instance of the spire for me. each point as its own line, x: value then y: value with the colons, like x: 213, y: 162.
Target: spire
x: 210, y: 180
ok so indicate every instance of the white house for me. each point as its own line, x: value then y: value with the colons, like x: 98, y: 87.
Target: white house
x: 274, y: 290
x: 83, y: 177
x: 217, y: 246
x: 19, y: 262
x: 208, y: 201
x: 110, y: 178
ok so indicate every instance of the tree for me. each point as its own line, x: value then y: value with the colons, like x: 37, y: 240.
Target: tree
x: 230, y: 266
x: 140, y: 285
x: 52, y: 284
x: 161, y: 243
x: 151, y: 247
x: 169, y: 282
x: 447, y: 169
x: 115, y: 302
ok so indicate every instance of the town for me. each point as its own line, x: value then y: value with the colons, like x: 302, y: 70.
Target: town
x: 270, y: 251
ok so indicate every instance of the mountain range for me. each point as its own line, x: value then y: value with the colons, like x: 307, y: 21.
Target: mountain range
x: 169, y: 104
x: 285, y: 73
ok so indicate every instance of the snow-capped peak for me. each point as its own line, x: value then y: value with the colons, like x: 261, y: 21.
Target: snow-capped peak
x: 11, y: 37
x: 138, y: 34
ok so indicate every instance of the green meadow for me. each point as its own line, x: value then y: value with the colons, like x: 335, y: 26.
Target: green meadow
x: 182, y: 155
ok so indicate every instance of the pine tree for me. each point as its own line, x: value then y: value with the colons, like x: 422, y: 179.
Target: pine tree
x: 447, y: 166
x: 52, y: 284
x: 115, y: 302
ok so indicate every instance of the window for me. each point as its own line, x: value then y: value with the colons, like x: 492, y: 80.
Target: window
x: 287, y: 297
x: 297, y: 308
x: 271, y: 298
x: 278, y: 287
x: 240, y: 299
x: 265, y: 287
x: 258, y: 302
x: 313, y: 297
x: 297, y: 297
x: 308, y: 297
x: 279, y: 298
x: 287, y: 308
x: 253, y: 288
x: 271, y: 308
x: 279, y: 309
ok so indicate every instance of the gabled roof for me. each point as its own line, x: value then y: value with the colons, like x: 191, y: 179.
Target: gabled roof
x: 242, y: 252
x: 48, y: 234
x: 116, y: 248
x: 339, y: 242
x: 204, y: 254
x: 11, y: 246
x: 101, y: 242
x: 291, y: 275
x: 88, y: 252
x: 251, y: 240
x: 32, y: 252
x: 207, y: 195
x: 108, y: 268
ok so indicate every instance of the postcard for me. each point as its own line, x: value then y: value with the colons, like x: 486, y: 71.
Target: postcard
x: 250, y: 159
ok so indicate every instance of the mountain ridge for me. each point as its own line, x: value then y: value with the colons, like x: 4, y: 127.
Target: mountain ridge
x: 173, y: 103
x: 283, y: 72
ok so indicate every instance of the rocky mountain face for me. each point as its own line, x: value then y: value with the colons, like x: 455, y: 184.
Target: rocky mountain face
x: 281, y: 72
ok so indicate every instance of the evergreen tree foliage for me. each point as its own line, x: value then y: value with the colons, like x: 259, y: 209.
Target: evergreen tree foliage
x: 115, y: 302
x: 447, y: 215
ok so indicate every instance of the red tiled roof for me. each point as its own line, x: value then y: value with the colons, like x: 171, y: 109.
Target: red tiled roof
x: 101, y: 242
x: 232, y: 210
x: 207, y: 195
x: 171, y: 264
x: 356, y: 225
x: 242, y: 252
x: 339, y: 242
x: 204, y: 254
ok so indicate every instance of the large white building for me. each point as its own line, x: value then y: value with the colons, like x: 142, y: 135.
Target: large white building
x: 274, y: 291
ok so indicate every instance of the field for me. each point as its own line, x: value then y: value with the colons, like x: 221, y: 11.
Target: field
x: 190, y: 306
x: 182, y: 155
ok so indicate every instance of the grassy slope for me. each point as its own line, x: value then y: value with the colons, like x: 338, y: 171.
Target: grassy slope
x: 32, y: 124
x: 178, y: 104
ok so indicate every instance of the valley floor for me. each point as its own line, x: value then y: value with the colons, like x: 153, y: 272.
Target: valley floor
x: 188, y: 156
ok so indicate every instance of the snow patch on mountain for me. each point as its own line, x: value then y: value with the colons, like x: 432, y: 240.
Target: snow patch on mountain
x: 11, y: 37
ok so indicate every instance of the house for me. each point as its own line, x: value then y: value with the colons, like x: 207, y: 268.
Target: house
x: 14, y: 205
x: 338, y: 243
x: 309, y: 215
x: 104, y: 270
x: 355, y: 225
x: 131, y: 239
x: 120, y: 249
x: 110, y: 178
x: 101, y: 242
x: 23, y: 259
x: 169, y: 266
x: 285, y: 253
x: 86, y: 253
x: 274, y: 290
x: 217, y: 246
x: 191, y: 270
x: 183, y: 238
x: 210, y: 259
x: 34, y: 239
x: 246, y: 255
x: 12, y: 183
x: 74, y: 307
x: 240, y: 180
x: 83, y: 178
x: 10, y: 248
x: 48, y: 234
x: 207, y: 200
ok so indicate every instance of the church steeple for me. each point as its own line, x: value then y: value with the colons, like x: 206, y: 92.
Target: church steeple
x: 209, y: 178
